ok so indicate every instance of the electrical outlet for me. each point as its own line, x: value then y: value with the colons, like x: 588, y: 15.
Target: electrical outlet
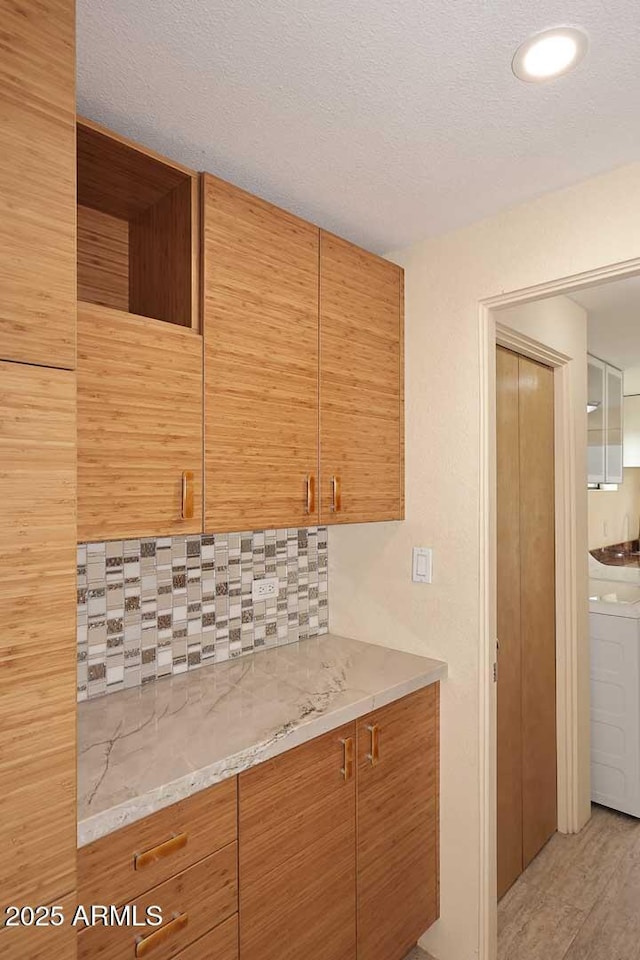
x: 265, y: 589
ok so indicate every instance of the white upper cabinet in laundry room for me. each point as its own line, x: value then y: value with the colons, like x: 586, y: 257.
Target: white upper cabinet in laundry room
x: 604, y: 422
x: 595, y: 419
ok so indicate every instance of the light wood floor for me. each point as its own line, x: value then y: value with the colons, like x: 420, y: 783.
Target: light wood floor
x: 580, y: 898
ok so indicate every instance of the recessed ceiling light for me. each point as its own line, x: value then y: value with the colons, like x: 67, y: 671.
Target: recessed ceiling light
x: 549, y: 54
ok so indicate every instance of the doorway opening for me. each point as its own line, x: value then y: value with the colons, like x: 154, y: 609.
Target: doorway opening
x: 537, y: 335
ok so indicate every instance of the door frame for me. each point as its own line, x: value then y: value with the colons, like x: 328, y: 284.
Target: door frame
x: 569, y: 595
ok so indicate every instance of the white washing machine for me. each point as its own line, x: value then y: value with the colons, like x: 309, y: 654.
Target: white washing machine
x: 614, y: 629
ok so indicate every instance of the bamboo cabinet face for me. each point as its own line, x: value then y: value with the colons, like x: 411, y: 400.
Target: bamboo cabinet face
x: 139, y: 426
x: 361, y: 385
x: 398, y: 750
x: 37, y: 183
x: 260, y: 302
x: 297, y: 856
x: 37, y: 642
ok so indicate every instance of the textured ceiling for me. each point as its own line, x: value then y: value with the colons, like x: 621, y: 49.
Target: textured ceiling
x: 384, y: 120
x: 614, y: 321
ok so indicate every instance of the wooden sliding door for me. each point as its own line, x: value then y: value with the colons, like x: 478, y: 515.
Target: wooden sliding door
x: 527, y: 807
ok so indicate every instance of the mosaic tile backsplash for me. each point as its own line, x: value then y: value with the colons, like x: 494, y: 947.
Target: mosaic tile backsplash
x: 154, y: 607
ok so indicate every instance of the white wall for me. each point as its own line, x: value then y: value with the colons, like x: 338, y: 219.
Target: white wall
x: 372, y: 596
x: 614, y: 515
x: 631, y: 381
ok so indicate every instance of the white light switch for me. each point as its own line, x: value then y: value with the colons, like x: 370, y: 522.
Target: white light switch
x: 422, y: 565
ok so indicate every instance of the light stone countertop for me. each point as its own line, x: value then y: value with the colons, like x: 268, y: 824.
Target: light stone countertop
x: 143, y: 749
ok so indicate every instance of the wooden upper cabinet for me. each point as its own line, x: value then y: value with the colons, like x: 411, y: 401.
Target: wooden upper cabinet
x: 37, y: 183
x: 139, y: 352
x: 361, y: 385
x: 37, y: 641
x: 297, y: 850
x: 398, y: 759
x: 260, y: 290
x: 139, y: 426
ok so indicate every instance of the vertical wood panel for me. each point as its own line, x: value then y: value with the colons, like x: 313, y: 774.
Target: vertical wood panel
x: 398, y: 826
x: 103, y: 259
x: 509, y: 695
x: 527, y: 762
x: 37, y: 182
x: 161, y: 258
x: 537, y: 552
x: 139, y: 425
x: 297, y: 857
x: 42, y: 943
x: 361, y: 377
x: 37, y: 640
x: 260, y: 294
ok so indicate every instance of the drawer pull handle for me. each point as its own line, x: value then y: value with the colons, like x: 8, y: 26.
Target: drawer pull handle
x: 310, y: 506
x: 187, y: 495
x: 148, y: 857
x: 146, y: 944
x: 374, y: 755
x: 347, y: 754
x: 336, y: 495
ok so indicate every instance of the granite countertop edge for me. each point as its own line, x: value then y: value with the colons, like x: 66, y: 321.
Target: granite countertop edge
x: 287, y: 736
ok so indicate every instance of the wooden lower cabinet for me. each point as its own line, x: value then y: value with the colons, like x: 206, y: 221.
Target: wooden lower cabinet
x: 119, y: 867
x: 192, y: 903
x: 297, y: 853
x: 321, y: 881
x: 336, y: 856
x: 398, y: 754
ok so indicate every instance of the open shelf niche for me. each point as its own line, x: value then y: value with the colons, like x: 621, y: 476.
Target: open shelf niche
x: 137, y: 229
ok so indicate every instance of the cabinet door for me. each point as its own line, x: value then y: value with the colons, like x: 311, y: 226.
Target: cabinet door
x: 361, y: 385
x: 398, y: 751
x: 37, y: 641
x: 261, y: 363
x: 37, y: 183
x: 139, y: 426
x: 596, y: 420
x: 613, y: 458
x: 297, y: 853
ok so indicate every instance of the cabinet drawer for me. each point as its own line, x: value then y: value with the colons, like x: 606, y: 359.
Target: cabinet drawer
x: 124, y: 864
x: 192, y: 904
x: 218, y: 944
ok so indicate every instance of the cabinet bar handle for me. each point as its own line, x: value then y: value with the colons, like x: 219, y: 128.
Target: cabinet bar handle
x: 146, y: 944
x: 187, y: 495
x: 347, y: 754
x: 151, y: 856
x: 311, y: 494
x: 374, y: 756
x: 336, y: 495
